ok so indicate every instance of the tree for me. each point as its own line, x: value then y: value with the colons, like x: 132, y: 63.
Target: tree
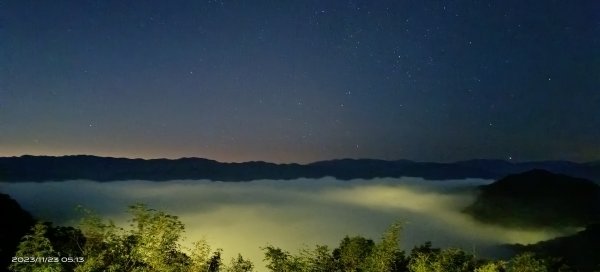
x: 277, y: 259
x: 105, y: 248
x: 322, y: 259
x: 526, y: 262
x: 454, y: 260
x: 156, y: 239
x: 199, y: 257
x: 422, y: 257
x: 240, y: 264
x: 214, y: 263
x: 352, y: 252
x: 421, y: 262
x: 36, y: 246
x: 427, y: 259
x: 318, y: 259
x: 151, y: 245
x: 67, y: 242
x: 385, y: 254
x: 492, y: 266
x: 425, y: 248
x: 282, y: 261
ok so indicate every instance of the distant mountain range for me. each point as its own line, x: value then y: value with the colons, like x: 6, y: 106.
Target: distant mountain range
x: 48, y: 168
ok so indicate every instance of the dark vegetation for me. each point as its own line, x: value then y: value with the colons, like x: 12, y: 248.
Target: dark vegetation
x: 14, y: 223
x: 538, y: 199
x: 581, y: 251
x: 46, y: 168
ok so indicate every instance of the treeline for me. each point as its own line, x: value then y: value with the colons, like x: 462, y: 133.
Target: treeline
x: 153, y: 243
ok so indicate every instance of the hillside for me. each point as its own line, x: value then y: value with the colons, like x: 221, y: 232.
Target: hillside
x: 538, y: 198
x: 14, y: 223
x: 580, y: 251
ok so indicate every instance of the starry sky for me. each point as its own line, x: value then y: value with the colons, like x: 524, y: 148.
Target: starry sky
x: 300, y: 81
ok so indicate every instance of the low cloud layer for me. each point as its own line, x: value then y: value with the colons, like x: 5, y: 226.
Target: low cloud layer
x: 241, y: 217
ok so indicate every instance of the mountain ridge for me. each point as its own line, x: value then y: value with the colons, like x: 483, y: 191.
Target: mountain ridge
x: 58, y: 168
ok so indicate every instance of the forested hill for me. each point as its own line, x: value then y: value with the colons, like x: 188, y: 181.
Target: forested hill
x: 580, y: 251
x: 47, y: 168
x: 538, y: 199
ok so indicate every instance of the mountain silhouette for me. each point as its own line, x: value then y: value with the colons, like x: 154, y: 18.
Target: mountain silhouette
x: 538, y: 198
x: 48, y: 168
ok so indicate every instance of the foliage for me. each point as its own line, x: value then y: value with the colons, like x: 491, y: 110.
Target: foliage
x: 36, y: 245
x: 279, y: 260
x: 240, y: 264
x: 199, y: 256
x: 494, y: 266
x: 385, y: 254
x: 318, y: 260
x: 152, y: 244
x: 352, y: 252
x: 214, y: 263
x: 155, y: 236
x: 526, y: 262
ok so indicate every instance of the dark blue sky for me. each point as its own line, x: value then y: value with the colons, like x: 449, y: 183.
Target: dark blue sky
x: 298, y: 81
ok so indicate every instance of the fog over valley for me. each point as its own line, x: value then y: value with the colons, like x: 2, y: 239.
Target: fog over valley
x: 241, y: 217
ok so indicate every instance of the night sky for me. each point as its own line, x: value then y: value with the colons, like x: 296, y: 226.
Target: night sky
x: 300, y: 81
